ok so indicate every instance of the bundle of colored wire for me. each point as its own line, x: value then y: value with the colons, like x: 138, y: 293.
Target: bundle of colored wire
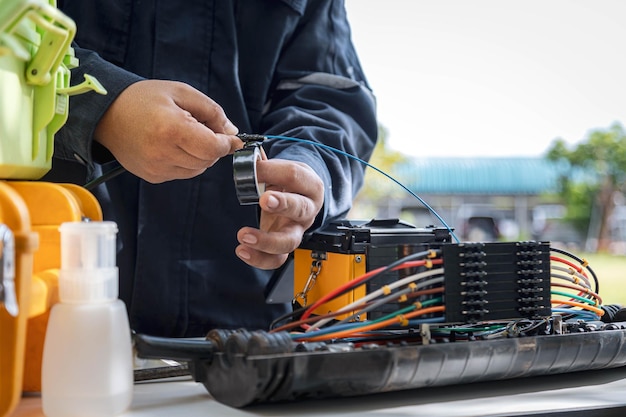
x: 490, y: 329
x: 361, y: 329
x: 571, y: 291
x: 401, y: 296
x: 387, y: 289
x: 406, y: 262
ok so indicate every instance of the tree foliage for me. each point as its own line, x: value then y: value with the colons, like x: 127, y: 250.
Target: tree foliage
x: 597, y: 171
x: 376, y: 186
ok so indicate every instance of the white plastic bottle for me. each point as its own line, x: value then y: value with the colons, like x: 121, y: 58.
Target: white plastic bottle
x: 87, y: 367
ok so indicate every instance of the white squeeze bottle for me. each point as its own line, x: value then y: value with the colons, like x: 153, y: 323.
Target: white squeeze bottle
x: 87, y: 367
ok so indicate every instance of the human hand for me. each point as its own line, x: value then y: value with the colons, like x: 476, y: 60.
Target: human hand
x: 166, y: 130
x: 293, y: 196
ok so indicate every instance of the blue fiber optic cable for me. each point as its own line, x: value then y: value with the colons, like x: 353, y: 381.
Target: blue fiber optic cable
x: 339, y: 151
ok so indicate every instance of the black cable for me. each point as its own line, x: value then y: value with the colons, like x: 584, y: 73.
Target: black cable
x: 582, y: 263
x: 104, y: 177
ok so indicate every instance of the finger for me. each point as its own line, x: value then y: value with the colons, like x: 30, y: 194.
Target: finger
x: 233, y: 142
x: 205, y: 110
x: 200, y: 142
x: 274, y: 242
x: 156, y: 174
x: 259, y: 259
x: 296, y: 207
x: 203, y: 144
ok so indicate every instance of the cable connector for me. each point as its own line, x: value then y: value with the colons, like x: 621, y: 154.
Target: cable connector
x: 251, y: 138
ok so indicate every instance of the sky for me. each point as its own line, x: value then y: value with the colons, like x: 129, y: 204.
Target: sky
x: 492, y: 77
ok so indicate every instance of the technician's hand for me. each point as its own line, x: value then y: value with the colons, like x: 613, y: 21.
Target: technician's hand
x: 166, y: 130
x: 293, y: 196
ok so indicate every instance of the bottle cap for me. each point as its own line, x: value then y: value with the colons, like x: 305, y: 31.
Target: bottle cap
x: 88, y: 262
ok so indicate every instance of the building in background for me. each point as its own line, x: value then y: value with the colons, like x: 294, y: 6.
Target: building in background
x: 483, y: 199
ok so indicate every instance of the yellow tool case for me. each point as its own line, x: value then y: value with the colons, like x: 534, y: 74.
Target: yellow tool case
x: 32, y: 212
x: 49, y: 205
x: 18, y: 245
x: 35, y: 62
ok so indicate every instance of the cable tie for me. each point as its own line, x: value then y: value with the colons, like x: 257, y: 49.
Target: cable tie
x: 417, y: 305
x: 412, y: 286
x: 386, y: 290
x: 431, y: 254
x: 402, y: 298
x: 428, y: 264
x: 403, y: 320
x: 585, y: 263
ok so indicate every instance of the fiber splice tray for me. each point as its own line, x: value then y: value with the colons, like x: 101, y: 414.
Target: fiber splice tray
x: 347, y: 249
x: 476, y: 274
x: 241, y: 368
x: 495, y: 320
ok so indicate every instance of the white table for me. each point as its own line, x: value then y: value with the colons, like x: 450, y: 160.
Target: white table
x: 594, y: 393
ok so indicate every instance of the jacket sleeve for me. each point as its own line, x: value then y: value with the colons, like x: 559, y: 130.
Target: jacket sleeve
x: 74, y: 141
x: 321, y: 94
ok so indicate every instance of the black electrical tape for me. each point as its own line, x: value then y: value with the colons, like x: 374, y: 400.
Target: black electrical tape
x: 244, y: 173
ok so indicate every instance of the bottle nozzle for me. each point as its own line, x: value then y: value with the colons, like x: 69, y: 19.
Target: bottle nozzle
x: 88, y: 262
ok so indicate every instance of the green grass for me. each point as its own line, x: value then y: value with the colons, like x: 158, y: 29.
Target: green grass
x: 611, y: 273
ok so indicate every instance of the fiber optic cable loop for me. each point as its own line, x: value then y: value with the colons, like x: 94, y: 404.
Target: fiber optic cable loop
x: 316, y: 268
x: 247, y: 186
x: 251, y: 139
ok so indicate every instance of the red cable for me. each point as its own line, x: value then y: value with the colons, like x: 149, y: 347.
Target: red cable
x: 355, y: 282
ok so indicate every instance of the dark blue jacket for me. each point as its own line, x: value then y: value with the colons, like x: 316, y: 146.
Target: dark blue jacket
x: 284, y: 67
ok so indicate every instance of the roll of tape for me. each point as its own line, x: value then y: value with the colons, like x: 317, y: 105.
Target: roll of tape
x: 244, y: 173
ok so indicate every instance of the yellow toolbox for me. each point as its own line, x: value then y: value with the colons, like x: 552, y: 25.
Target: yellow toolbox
x: 31, y: 213
x: 49, y: 205
x: 35, y: 62
x: 18, y: 245
x: 319, y: 273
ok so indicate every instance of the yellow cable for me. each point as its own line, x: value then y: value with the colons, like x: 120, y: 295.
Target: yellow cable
x: 375, y: 326
x: 596, y: 310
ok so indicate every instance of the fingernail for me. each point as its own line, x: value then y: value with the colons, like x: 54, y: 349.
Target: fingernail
x: 230, y: 128
x: 249, y: 239
x: 272, y: 202
x: 242, y: 253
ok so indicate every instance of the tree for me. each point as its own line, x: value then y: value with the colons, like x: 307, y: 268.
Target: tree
x: 600, y: 161
x: 376, y: 186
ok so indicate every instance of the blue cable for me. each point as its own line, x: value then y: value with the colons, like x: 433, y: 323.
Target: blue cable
x: 585, y: 315
x: 321, y: 145
x: 346, y: 326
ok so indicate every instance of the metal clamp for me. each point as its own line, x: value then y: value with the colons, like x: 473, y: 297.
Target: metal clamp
x: 7, y: 270
x: 316, y: 268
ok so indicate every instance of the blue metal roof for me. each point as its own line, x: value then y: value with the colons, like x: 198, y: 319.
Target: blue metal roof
x: 488, y: 175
